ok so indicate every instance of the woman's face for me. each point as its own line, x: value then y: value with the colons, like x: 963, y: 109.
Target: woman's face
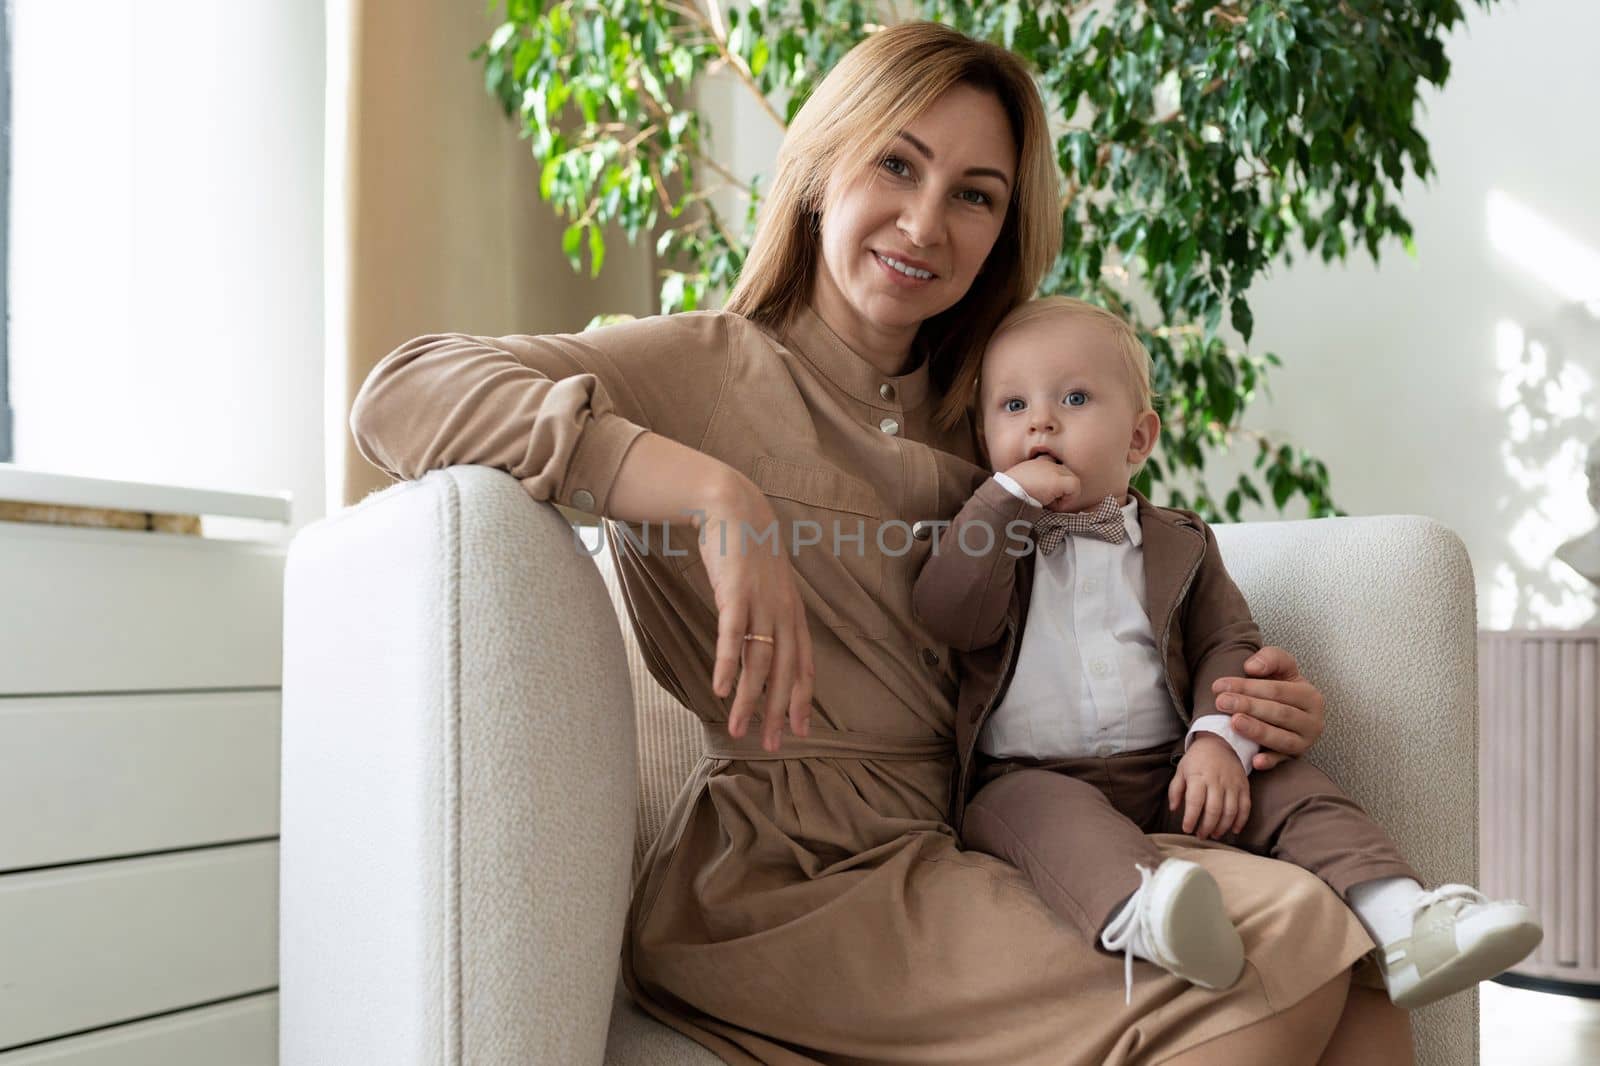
x: 904, y: 241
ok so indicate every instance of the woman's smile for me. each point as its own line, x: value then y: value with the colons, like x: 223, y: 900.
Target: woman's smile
x: 908, y: 272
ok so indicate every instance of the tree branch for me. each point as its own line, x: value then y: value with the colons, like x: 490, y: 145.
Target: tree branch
x: 736, y: 62
x: 662, y: 115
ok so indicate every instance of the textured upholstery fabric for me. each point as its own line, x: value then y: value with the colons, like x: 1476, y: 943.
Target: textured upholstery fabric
x: 458, y: 784
x: 1380, y: 613
x: 668, y: 734
x: 461, y: 815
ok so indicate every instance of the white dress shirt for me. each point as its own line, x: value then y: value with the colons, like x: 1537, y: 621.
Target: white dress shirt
x: 1090, y: 679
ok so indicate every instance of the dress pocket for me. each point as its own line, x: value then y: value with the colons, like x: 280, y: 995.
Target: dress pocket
x: 829, y: 522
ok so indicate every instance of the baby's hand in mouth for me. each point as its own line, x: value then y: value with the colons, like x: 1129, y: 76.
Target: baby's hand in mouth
x: 1047, y: 479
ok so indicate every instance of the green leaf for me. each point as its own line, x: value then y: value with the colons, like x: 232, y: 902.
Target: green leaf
x: 1243, y: 320
x: 1282, y: 486
x: 597, y: 250
x: 547, y: 177
x: 571, y: 241
x: 671, y: 292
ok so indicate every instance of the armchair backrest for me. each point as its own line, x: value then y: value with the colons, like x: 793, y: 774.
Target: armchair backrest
x: 667, y: 733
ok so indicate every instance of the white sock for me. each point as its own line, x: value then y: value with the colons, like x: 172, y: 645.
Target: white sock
x: 1384, y: 907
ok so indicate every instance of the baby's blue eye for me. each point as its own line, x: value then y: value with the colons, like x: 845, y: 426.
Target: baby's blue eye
x: 1010, y: 408
x: 1077, y: 398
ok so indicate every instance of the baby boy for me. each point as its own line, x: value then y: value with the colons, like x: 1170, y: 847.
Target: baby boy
x: 1107, y: 728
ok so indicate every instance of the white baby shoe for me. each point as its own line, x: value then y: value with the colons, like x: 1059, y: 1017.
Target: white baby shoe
x: 1458, y: 938
x: 1176, y: 920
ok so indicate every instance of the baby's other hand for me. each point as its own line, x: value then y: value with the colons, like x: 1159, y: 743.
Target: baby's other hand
x: 1211, y: 784
x: 1051, y: 483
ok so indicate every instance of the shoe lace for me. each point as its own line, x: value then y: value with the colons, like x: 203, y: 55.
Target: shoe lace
x: 1120, y: 933
x: 1464, y: 895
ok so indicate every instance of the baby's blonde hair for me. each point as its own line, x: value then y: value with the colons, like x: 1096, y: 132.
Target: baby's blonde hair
x: 1135, y: 357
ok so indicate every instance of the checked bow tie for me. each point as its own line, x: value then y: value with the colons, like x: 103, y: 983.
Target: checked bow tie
x: 1103, y: 523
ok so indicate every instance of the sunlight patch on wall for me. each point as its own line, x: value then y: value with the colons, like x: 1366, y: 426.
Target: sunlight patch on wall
x: 1547, y: 404
x: 1543, y: 250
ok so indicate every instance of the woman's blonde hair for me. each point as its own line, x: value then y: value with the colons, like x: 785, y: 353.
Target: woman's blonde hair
x: 849, y: 124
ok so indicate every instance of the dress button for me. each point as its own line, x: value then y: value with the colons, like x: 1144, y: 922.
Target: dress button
x: 922, y: 530
x: 583, y: 500
x: 1099, y: 668
x: 886, y: 390
x: 1090, y: 584
x: 889, y: 426
x: 1105, y: 751
x: 930, y: 657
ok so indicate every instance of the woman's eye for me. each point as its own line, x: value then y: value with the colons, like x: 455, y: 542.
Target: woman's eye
x: 896, y: 166
x: 973, y: 196
x: 1077, y: 398
x: 1013, y: 406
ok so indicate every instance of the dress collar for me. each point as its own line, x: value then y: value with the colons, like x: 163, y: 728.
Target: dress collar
x: 811, y: 338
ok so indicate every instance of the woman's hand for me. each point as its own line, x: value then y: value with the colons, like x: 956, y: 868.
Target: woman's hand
x: 1275, y: 706
x: 756, y: 593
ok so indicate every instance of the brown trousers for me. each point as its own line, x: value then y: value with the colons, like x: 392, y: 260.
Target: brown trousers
x: 1077, y: 827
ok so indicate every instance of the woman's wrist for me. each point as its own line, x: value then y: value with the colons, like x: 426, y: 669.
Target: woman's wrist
x: 662, y: 481
x: 723, y: 490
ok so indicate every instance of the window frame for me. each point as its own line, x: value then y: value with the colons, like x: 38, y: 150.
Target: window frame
x: 5, y: 227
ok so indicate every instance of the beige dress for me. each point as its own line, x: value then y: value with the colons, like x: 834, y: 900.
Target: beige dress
x: 817, y: 907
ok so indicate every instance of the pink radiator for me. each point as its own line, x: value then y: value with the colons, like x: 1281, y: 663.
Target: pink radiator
x: 1539, y: 808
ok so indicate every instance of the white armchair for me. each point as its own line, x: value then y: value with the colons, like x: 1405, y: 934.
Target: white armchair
x: 465, y: 799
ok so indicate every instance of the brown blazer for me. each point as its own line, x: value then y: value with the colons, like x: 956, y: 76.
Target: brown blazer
x: 976, y: 601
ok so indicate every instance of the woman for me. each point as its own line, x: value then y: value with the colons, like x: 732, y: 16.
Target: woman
x: 807, y: 900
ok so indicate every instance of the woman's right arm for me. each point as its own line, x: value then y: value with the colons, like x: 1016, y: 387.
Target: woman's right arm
x: 557, y: 412
x: 607, y: 421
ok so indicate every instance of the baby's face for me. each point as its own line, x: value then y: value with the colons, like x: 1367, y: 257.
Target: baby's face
x: 1057, y: 386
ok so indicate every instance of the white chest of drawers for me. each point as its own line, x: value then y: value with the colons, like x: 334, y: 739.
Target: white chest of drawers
x: 139, y: 723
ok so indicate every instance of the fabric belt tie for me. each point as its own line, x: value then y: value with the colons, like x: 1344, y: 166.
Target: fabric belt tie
x: 822, y: 743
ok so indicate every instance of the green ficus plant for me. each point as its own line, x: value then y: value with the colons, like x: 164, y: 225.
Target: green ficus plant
x: 1199, y: 143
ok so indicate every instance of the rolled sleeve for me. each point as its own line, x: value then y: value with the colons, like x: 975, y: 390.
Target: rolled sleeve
x: 596, y: 459
x: 559, y: 412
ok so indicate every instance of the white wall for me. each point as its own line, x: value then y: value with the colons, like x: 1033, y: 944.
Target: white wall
x: 1460, y: 384
x: 166, y: 259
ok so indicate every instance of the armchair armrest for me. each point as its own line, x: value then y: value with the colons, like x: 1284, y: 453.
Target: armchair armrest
x: 1380, y: 613
x: 458, y: 783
